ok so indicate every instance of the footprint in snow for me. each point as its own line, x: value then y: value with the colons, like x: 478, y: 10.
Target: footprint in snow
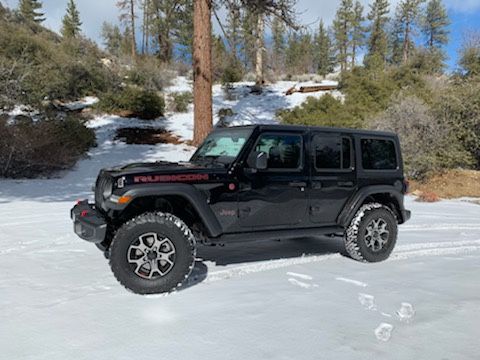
x: 384, y: 331
x: 306, y: 285
x: 300, y: 276
x: 351, y: 281
x: 406, y: 312
x: 367, y: 301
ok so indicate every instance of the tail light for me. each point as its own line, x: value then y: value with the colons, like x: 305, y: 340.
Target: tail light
x: 406, y: 186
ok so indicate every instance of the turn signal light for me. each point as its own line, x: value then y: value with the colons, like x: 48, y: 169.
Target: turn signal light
x: 124, y: 199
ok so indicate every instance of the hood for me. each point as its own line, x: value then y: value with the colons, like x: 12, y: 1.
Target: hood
x: 165, y: 172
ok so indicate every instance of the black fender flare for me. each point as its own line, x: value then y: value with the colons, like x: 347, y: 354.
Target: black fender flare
x: 196, y: 198
x: 354, y: 203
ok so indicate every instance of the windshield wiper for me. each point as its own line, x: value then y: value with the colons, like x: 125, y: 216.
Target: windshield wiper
x: 210, y: 161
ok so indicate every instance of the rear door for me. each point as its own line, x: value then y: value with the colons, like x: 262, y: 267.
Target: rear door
x: 333, y: 175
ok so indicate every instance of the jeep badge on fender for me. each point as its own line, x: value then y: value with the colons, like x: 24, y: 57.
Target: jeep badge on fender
x: 248, y: 183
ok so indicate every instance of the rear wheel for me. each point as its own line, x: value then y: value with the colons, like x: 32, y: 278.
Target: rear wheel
x: 372, y: 233
x: 153, y: 253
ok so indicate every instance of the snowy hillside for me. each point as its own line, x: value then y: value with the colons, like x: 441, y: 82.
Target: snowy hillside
x: 276, y: 300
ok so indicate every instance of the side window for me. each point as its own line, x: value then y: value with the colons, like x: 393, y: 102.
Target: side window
x: 283, y: 151
x: 332, y: 152
x: 378, y: 154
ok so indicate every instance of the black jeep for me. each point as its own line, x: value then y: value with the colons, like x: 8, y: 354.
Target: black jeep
x: 247, y: 184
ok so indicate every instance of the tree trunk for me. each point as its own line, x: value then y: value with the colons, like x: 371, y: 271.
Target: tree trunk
x: 144, y: 26
x: 147, y: 29
x: 202, y: 69
x: 132, y: 16
x: 259, y: 79
x: 354, y: 55
x: 406, y: 43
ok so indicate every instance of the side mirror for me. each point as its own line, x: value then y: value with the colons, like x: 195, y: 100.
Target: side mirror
x: 258, y: 160
x: 262, y: 161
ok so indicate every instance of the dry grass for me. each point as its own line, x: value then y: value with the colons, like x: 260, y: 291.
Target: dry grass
x: 449, y: 185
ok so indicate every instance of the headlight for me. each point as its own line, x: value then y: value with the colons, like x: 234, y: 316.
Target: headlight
x: 107, y: 189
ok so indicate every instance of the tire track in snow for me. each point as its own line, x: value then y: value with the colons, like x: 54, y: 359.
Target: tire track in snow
x: 402, y: 252
x: 48, y: 220
x: 242, y: 270
x: 433, y: 245
x: 436, y: 227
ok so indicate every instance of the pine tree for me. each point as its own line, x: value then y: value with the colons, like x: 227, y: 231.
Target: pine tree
x: 343, y: 28
x: 170, y: 24
x: 259, y: 50
x: 406, y: 18
x: 146, y: 27
x: 249, y: 21
x: 233, y: 27
x: 202, y: 55
x: 325, y: 57
x: 31, y: 10
x: 278, y: 44
x: 128, y: 16
x: 435, y: 24
x: 395, y: 42
x: 300, y: 53
x: 71, y: 21
x: 202, y: 70
x: 378, y: 41
x: 469, y: 60
x: 112, y: 38
x: 183, y: 30
x: 358, y: 31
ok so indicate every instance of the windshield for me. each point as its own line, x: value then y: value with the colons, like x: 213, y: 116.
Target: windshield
x: 221, y: 147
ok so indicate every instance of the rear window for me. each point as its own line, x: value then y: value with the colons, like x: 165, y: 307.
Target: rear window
x: 332, y: 152
x: 379, y: 154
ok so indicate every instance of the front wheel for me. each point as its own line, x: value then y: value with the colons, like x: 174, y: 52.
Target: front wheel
x: 152, y: 253
x: 372, y: 233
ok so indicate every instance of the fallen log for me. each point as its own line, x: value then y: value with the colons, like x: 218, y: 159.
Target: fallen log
x: 311, y: 89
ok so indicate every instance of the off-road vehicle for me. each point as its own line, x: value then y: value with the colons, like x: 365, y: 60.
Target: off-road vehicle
x: 247, y: 184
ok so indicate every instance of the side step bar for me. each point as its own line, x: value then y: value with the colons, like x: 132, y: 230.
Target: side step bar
x: 288, y: 234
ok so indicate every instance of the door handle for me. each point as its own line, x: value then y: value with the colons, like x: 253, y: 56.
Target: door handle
x: 316, y: 185
x: 345, y: 183
x: 299, y: 184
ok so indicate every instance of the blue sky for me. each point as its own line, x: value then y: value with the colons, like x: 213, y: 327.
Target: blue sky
x: 465, y: 16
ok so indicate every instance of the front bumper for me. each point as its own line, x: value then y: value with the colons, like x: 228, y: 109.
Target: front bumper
x: 88, y: 223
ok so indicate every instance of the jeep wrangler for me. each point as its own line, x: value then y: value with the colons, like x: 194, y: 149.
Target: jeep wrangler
x: 253, y: 183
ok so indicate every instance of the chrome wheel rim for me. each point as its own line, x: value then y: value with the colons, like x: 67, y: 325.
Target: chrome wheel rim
x: 151, y: 256
x: 377, y: 234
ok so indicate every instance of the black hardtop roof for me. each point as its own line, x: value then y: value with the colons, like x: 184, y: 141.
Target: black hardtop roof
x: 273, y: 127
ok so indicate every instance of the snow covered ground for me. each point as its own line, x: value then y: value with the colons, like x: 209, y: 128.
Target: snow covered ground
x: 275, y: 300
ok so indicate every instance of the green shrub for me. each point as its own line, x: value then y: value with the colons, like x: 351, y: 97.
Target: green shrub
x: 150, y: 74
x: 428, y: 142
x: 233, y: 72
x: 366, y: 93
x: 43, y: 66
x: 132, y: 102
x: 459, y: 107
x: 324, y: 111
x: 180, y: 101
x: 31, y: 149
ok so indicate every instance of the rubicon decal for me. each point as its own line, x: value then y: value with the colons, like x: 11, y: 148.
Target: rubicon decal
x: 170, y: 178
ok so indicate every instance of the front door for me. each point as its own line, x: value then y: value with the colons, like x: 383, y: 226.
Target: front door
x: 276, y: 197
x: 333, y: 179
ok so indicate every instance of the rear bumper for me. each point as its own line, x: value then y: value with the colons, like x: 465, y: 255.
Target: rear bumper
x: 88, y: 223
x: 406, y: 214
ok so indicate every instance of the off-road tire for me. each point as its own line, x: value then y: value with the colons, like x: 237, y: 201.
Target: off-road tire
x: 355, y: 239
x: 165, y: 225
